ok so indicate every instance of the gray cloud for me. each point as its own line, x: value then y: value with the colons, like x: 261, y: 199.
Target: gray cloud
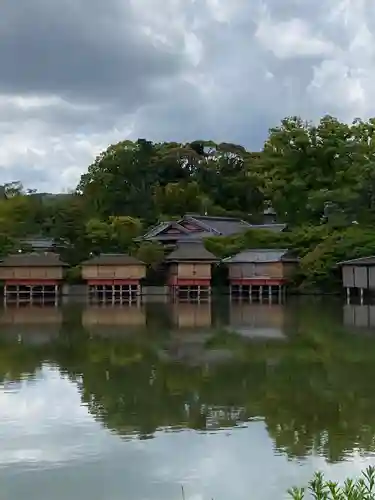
x: 77, y: 76
x: 78, y: 50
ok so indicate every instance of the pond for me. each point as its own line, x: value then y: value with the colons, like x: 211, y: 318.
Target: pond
x: 227, y: 401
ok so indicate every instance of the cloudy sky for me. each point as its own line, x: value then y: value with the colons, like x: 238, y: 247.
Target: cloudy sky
x: 77, y: 75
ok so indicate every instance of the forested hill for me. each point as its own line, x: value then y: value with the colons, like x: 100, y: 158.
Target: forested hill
x: 320, y: 179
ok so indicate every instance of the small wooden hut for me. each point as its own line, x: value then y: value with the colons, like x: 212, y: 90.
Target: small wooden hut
x: 258, y: 269
x: 113, y: 277
x: 29, y: 276
x: 189, y: 271
x: 358, y: 274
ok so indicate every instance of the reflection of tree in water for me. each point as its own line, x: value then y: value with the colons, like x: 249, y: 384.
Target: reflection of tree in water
x: 17, y: 362
x: 314, y: 391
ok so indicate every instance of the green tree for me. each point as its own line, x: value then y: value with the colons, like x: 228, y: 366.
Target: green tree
x: 120, y: 181
x: 123, y: 231
x: 151, y: 253
x: 305, y: 166
x: 181, y: 197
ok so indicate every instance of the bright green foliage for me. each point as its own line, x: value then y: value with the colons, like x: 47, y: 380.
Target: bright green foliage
x: 114, y: 235
x: 320, y: 489
x: 151, y: 253
x: 181, y: 197
x: 304, y: 166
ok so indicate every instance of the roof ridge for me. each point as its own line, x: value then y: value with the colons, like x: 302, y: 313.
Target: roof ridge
x: 357, y: 259
x: 216, y: 217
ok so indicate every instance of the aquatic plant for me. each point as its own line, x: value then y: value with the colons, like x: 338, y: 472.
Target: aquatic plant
x: 362, y: 488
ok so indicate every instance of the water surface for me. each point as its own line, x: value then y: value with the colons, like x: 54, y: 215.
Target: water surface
x: 234, y: 401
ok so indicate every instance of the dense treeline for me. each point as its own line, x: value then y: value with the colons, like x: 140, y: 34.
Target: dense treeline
x: 320, y: 180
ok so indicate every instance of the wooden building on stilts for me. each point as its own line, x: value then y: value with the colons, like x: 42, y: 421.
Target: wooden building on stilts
x: 260, y: 272
x: 32, y: 277
x: 189, y: 271
x: 358, y: 275
x: 113, y: 278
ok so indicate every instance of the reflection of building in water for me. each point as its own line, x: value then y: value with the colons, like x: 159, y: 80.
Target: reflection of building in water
x: 191, y: 315
x: 359, y: 316
x: 113, y: 319
x: 31, y: 324
x: 257, y: 320
x: 189, y: 339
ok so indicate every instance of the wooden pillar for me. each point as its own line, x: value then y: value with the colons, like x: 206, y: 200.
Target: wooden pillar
x: 261, y: 292
x: 348, y: 295
x: 361, y: 295
x: 199, y: 293
x: 269, y: 293
x: 5, y: 294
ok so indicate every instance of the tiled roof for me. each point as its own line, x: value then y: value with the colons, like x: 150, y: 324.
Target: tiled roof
x: 211, y: 226
x: 155, y: 232
x: 112, y: 259
x: 362, y: 261
x: 261, y: 255
x: 223, y: 226
x: 191, y: 251
x: 35, y: 259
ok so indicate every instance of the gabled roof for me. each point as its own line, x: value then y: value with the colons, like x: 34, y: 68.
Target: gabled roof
x: 220, y: 226
x: 158, y: 228
x: 112, y: 259
x: 361, y: 261
x: 191, y: 251
x: 34, y: 259
x: 156, y: 232
x: 261, y: 255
